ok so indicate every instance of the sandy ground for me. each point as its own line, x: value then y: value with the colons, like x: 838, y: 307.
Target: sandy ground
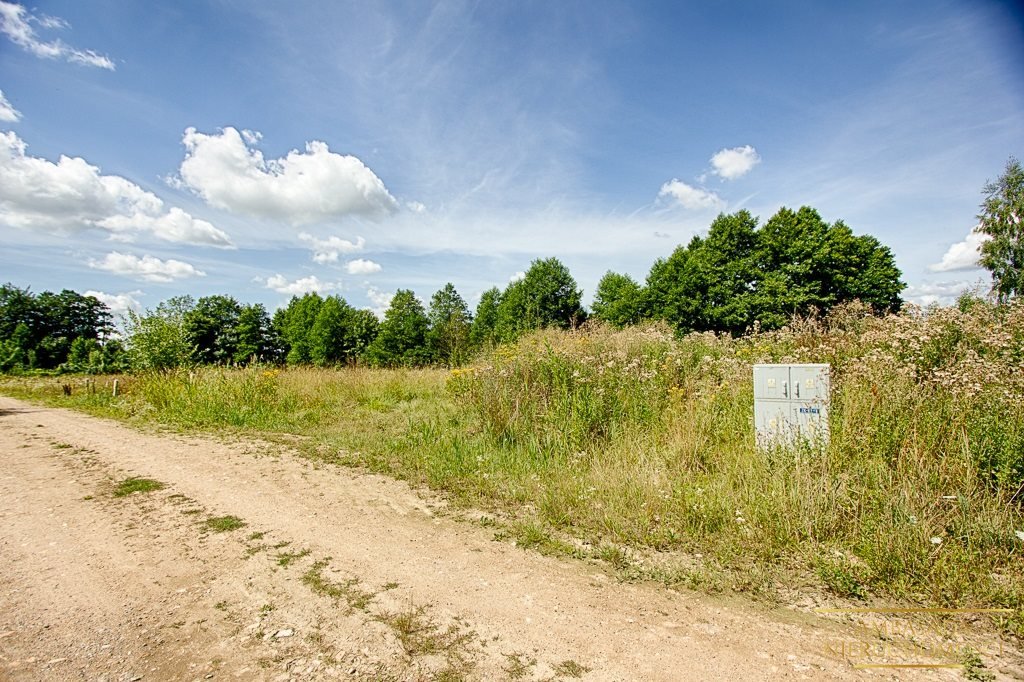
x: 335, y: 575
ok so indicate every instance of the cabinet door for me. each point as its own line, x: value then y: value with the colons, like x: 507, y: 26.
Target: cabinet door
x: 771, y: 382
x: 809, y: 383
x: 773, y: 422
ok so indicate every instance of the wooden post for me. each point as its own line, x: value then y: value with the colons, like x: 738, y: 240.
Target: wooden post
x: 115, y: 388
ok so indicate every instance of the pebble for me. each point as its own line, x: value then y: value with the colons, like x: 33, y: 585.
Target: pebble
x: 283, y: 633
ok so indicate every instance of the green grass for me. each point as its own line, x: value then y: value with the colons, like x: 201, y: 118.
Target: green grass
x: 640, y: 446
x: 223, y: 524
x: 136, y: 485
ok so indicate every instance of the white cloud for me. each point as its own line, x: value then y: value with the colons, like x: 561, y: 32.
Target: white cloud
x: 361, y: 266
x: 380, y: 300
x: 71, y: 195
x: 517, y: 277
x: 119, y: 304
x: 735, y: 162
x: 8, y: 114
x: 328, y: 250
x: 298, y: 287
x: 147, y: 268
x: 962, y: 255
x: 416, y: 206
x: 16, y: 23
x: 938, y: 293
x: 304, y: 187
x: 693, y: 198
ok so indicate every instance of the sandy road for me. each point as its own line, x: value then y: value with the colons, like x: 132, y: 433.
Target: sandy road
x: 336, y: 575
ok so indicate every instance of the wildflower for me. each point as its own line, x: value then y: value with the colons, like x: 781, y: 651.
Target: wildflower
x: 1019, y: 534
x: 936, y: 540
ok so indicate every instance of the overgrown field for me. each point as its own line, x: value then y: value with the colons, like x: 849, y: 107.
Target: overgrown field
x: 638, y: 448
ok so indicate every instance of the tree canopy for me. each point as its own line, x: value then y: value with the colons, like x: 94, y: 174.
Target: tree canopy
x: 1002, y: 221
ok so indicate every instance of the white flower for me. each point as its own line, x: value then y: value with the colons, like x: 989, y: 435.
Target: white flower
x: 936, y: 540
x: 1019, y: 534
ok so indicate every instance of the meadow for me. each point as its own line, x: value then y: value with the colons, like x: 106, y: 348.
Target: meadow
x: 636, y: 447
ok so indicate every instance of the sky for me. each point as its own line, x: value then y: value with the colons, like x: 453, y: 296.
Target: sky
x: 267, y: 149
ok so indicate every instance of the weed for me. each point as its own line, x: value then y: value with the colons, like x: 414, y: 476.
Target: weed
x: 221, y: 605
x: 286, y: 558
x: 258, y: 535
x: 421, y: 635
x: 354, y: 596
x: 136, y: 485
x: 61, y: 446
x: 517, y: 665
x: 570, y: 668
x: 223, y: 524
x: 974, y: 668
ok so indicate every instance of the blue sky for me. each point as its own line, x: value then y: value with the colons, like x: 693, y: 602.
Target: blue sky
x: 261, y: 149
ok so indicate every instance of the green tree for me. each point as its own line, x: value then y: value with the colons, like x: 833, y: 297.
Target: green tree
x: 329, y: 336
x: 619, y: 300
x: 483, y: 332
x: 255, y: 337
x: 211, y: 329
x: 795, y: 264
x: 449, y: 326
x: 1002, y: 221
x: 546, y: 297
x: 402, y: 337
x: 156, y: 339
x: 363, y: 326
x: 294, y: 323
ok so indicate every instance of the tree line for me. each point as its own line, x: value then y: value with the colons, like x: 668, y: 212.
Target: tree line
x: 741, y: 275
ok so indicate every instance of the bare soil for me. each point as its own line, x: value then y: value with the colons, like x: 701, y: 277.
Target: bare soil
x: 336, y: 574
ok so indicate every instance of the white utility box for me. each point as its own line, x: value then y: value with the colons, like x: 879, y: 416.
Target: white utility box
x: 791, y: 404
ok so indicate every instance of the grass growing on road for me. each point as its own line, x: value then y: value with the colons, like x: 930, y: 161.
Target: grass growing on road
x: 136, y: 485
x: 223, y: 524
x: 639, y: 447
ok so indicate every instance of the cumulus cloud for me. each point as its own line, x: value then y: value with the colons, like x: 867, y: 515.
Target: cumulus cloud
x: 147, y: 268
x: 8, y: 114
x: 735, y: 162
x: 937, y: 293
x: 298, y: 287
x: 119, y: 304
x: 962, y: 255
x: 313, y: 186
x: 693, y: 198
x: 361, y: 266
x: 71, y: 195
x: 517, y: 277
x: 380, y: 300
x: 328, y: 250
x: 16, y: 23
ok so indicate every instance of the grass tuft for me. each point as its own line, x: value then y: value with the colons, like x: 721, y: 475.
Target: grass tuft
x: 223, y: 524
x: 136, y: 485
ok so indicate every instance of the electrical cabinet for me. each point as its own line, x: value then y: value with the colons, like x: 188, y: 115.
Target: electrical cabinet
x: 791, y: 403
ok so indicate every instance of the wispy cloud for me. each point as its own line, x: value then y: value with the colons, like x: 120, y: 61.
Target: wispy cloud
x: 8, y: 114
x: 16, y: 23
x: 690, y: 197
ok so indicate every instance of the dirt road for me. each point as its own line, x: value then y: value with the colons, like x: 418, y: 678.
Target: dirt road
x: 335, y: 575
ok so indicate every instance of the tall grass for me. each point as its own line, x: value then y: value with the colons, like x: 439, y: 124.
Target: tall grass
x: 640, y: 444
